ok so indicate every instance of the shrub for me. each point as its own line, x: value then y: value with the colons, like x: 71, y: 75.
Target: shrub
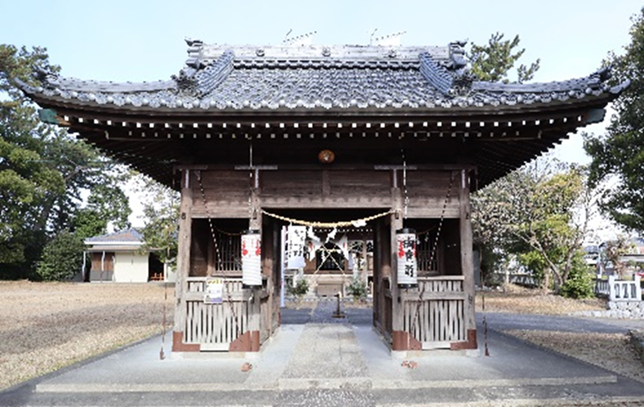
x: 62, y: 258
x: 357, y: 288
x: 301, y: 287
x: 579, y: 283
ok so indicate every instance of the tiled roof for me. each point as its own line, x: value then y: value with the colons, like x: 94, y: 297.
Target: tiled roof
x: 129, y: 235
x: 359, y: 78
x: 380, y: 99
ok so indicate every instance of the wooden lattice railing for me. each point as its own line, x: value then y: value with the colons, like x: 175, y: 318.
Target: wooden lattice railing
x: 215, y: 326
x: 435, y: 312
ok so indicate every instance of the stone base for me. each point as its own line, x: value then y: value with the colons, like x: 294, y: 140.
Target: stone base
x: 179, y: 346
x: 404, y: 341
x: 472, y: 342
x: 623, y: 309
x: 247, y: 342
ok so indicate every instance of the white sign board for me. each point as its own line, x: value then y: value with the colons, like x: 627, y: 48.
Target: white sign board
x: 214, y: 291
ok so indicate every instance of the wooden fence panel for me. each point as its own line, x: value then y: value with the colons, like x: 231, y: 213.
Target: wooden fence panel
x: 435, y: 314
x: 215, y: 326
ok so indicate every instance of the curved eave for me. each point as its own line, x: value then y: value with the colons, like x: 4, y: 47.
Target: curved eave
x: 165, y: 98
x: 496, y: 148
x: 493, y: 109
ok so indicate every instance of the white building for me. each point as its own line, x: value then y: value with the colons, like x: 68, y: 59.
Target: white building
x: 120, y: 257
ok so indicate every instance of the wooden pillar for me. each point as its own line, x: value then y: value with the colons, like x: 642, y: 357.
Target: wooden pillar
x: 395, y: 223
x: 268, y: 256
x: 401, y: 340
x: 249, y: 341
x: 378, y: 287
x: 467, y: 261
x: 183, y: 264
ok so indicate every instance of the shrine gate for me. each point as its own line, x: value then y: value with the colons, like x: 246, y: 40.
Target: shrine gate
x: 375, y: 141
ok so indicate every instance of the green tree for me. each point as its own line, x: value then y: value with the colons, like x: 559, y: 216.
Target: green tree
x: 539, y: 214
x: 106, y: 203
x: 494, y: 61
x: 44, y: 171
x: 57, y: 264
x: 161, y: 217
x: 618, y: 155
x: 487, y: 215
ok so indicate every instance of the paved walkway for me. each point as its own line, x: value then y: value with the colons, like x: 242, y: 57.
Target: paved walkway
x: 331, y: 362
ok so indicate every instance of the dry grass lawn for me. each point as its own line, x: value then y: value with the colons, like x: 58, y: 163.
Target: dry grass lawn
x: 524, y: 301
x: 613, y: 352
x: 45, y: 326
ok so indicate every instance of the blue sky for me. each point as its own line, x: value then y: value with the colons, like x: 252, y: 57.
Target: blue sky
x: 144, y: 40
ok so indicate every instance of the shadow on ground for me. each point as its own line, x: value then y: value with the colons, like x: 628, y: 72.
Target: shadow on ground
x: 324, y: 313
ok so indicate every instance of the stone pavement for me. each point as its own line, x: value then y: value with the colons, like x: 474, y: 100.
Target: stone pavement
x: 330, y: 362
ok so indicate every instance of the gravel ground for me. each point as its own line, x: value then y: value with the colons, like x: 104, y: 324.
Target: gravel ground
x: 45, y: 326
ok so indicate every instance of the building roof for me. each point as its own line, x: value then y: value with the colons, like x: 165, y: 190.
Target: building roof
x: 260, y: 93
x: 253, y: 79
x: 120, y: 237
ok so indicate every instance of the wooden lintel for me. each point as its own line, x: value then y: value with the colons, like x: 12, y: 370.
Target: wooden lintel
x: 395, y: 167
x: 191, y: 167
x: 256, y: 167
x: 333, y: 168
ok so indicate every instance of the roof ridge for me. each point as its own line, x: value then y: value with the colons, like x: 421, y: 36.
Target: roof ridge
x: 198, y: 52
x: 436, y: 75
x: 133, y: 231
x: 593, y: 84
x: 200, y: 79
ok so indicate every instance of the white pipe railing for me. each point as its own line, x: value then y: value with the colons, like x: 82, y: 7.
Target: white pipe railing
x: 625, y: 290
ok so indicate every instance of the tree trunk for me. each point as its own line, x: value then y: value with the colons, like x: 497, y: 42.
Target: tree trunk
x: 546, y: 281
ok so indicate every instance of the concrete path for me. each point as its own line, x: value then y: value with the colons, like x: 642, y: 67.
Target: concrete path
x: 332, y: 362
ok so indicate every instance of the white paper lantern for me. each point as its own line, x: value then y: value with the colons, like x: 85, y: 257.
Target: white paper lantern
x: 406, y: 257
x: 252, y: 258
x: 295, y: 253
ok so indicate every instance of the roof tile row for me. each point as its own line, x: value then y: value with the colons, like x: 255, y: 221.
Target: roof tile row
x: 231, y: 83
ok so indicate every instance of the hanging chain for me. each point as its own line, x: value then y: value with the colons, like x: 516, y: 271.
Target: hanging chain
x: 442, y: 218
x: 406, y: 199
x: 433, y: 253
x: 218, y: 259
x: 250, y: 178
